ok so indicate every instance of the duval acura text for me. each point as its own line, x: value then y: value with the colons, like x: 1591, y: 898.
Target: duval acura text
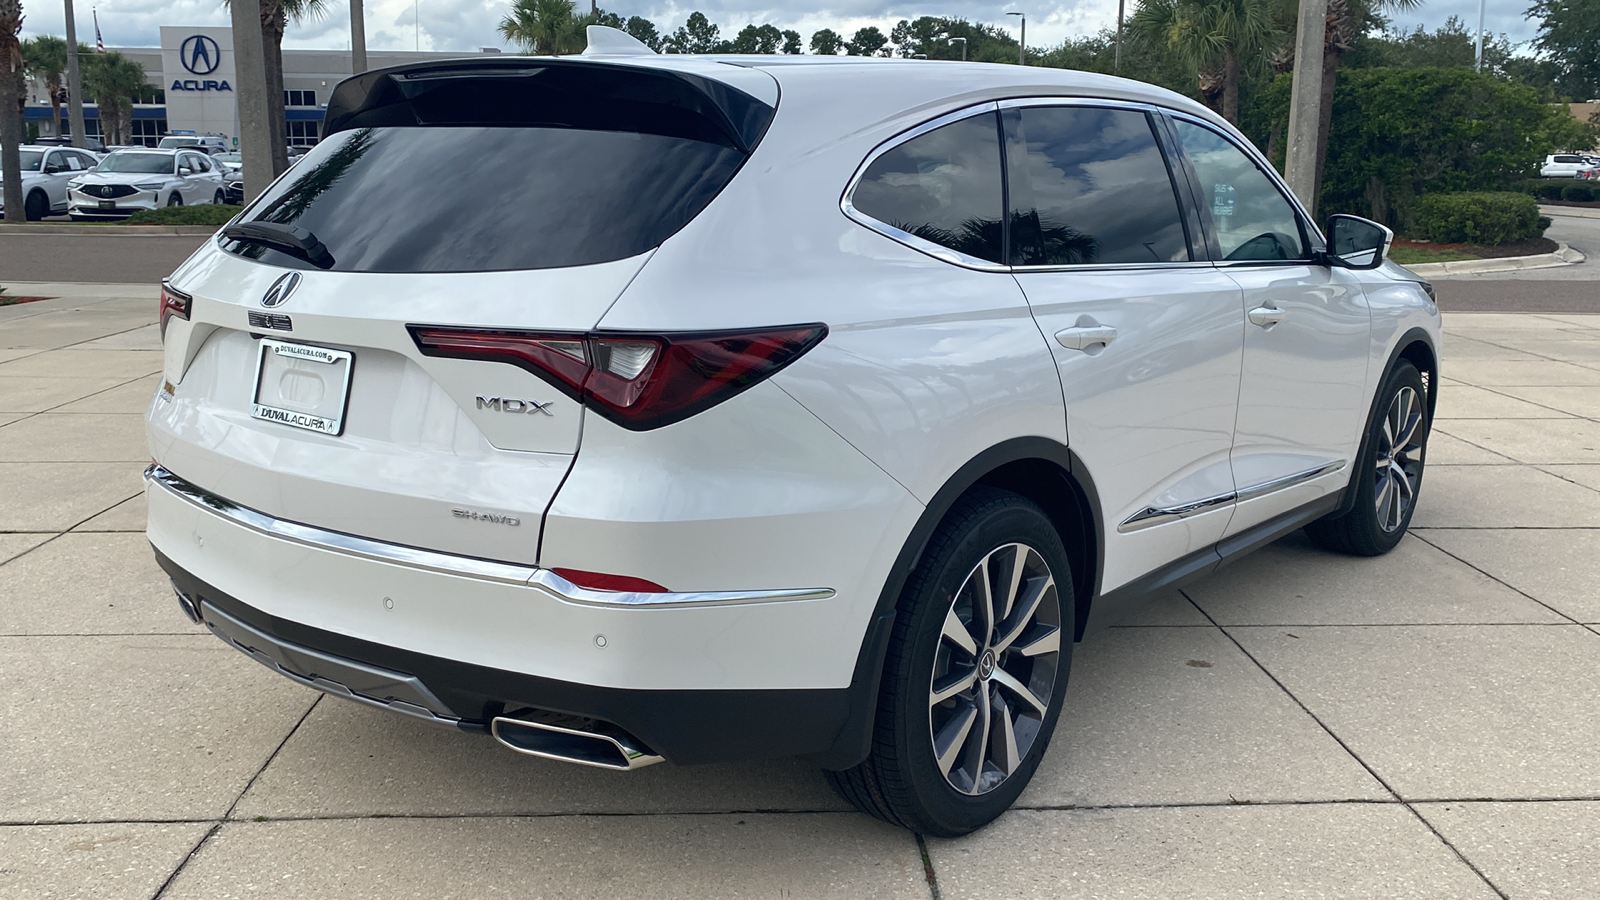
x: 849, y: 394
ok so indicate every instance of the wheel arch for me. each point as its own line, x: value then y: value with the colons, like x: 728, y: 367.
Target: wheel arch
x: 1416, y: 347
x: 1042, y: 470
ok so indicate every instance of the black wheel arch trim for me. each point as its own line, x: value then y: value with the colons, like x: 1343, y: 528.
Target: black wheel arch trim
x: 854, y: 740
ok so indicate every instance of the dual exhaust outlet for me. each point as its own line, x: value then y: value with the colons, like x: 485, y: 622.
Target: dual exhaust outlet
x: 586, y: 742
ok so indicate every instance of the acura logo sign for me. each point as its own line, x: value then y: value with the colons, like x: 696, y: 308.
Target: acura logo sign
x: 280, y: 290
x: 200, y: 54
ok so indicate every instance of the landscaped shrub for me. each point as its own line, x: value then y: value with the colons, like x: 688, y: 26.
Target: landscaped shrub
x: 215, y: 214
x: 1487, y: 218
x: 1577, y: 193
x: 1549, y: 190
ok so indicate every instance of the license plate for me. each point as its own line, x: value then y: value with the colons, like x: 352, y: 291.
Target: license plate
x: 108, y: 204
x: 302, y: 386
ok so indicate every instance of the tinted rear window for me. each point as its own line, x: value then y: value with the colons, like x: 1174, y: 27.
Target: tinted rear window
x: 481, y: 198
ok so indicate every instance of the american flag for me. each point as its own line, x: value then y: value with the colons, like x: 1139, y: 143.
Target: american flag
x: 99, y: 42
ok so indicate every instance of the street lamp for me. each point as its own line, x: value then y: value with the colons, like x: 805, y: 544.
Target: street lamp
x: 1022, y: 40
x: 963, y: 47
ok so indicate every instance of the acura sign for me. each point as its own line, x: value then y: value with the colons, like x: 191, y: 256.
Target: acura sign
x: 200, y: 55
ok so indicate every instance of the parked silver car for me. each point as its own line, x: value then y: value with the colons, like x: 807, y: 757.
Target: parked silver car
x: 46, y: 172
x: 131, y: 180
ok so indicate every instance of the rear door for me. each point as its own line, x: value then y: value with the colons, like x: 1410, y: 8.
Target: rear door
x: 1303, y: 394
x: 1146, y: 333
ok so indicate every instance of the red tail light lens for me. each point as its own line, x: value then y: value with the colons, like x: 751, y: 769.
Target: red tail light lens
x: 599, y: 581
x: 173, y: 303
x: 639, y: 381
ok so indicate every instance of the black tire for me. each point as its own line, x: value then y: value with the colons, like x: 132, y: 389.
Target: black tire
x: 1370, y: 528
x: 901, y: 781
x: 36, y: 207
x: 218, y: 199
x: 175, y: 200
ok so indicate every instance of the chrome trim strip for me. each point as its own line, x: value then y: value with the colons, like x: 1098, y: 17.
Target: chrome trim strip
x: 1160, y: 515
x: 1153, y: 515
x: 1287, y: 481
x: 517, y: 575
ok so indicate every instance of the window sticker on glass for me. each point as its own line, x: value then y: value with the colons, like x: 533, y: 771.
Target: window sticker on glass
x: 1222, y: 200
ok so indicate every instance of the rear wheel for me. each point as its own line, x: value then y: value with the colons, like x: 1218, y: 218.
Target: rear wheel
x: 217, y: 198
x: 1388, y: 477
x: 975, y: 674
x: 175, y: 200
x: 36, y: 207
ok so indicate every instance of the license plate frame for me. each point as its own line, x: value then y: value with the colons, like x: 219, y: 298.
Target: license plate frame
x: 330, y: 419
x: 108, y: 204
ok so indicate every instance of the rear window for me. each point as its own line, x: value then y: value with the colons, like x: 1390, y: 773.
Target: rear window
x: 553, y: 167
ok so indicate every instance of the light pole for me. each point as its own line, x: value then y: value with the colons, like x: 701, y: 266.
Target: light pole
x: 963, y: 42
x: 1022, y: 40
x: 1116, y: 65
x: 358, y: 37
x: 1479, y: 63
x: 74, y: 84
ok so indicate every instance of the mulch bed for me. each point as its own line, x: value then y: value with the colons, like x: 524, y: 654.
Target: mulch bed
x: 1526, y: 248
x: 1592, y: 204
x: 13, y: 301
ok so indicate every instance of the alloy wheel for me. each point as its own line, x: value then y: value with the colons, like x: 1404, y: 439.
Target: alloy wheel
x: 995, y: 669
x: 1399, y: 460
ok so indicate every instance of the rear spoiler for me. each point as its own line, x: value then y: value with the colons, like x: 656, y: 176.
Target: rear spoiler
x: 546, y: 91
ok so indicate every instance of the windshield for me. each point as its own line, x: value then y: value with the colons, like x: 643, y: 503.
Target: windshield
x: 30, y: 160
x: 178, y: 142
x: 228, y: 157
x: 138, y: 163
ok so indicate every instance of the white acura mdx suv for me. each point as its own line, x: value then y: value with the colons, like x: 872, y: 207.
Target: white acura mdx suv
x: 632, y: 407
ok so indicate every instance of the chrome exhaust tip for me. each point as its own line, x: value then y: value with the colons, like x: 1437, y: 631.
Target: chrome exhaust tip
x: 586, y: 742
x: 187, y: 604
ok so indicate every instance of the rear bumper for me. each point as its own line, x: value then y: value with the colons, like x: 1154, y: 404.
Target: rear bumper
x: 684, y: 726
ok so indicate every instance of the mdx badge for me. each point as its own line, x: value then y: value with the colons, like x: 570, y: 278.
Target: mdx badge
x: 512, y: 405
x: 280, y: 290
x: 497, y: 518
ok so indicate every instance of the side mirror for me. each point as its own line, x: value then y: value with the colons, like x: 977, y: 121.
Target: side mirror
x: 1357, y: 243
x: 52, y: 169
x: 185, y: 170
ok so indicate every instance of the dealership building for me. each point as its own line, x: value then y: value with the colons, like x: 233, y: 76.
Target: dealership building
x: 192, y: 81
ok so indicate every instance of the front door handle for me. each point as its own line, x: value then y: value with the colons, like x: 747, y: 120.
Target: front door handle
x: 1085, y: 336
x: 1265, y: 316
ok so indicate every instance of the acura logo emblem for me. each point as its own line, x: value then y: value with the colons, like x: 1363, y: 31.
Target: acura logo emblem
x: 280, y: 290
x: 200, y: 54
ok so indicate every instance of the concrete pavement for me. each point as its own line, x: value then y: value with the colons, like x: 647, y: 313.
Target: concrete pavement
x: 1300, y: 725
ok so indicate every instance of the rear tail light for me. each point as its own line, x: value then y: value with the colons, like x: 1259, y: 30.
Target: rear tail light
x: 173, y: 303
x: 639, y: 381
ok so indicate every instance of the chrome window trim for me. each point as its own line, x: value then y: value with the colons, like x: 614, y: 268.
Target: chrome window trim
x: 1160, y: 515
x: 1267, y: 169
x: 514, y: 574
x: 921, y: 245
x: 1115, y: 267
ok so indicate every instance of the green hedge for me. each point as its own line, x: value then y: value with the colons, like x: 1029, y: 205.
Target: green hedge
x: 1548, y: 189
x: 1487, y: 218
x: 1578, y: 193
x: 204, y: 214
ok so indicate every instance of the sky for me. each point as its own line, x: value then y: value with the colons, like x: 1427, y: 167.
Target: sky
x: 470, y: 24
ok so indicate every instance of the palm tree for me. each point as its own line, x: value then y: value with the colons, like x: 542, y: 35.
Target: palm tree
x: 1347, y: 19
x: 544, y: 27
x: 1211, y: 35
x: 45, y: 57
x: 275, y: 18
x: 10, y: 123
x: 114, y: 81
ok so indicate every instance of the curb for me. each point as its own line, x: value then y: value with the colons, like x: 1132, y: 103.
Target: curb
x: 111, y: 230
x: 1564, y: 256
x: 1576, y: 212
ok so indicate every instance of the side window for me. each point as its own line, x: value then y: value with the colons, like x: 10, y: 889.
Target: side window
x: 57, y: 159
x: 1090, y: 185
x: 943, y: 186
x: 1252, y: 218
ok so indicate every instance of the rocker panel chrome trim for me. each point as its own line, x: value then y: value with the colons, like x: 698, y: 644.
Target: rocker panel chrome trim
x: 1159, y: 515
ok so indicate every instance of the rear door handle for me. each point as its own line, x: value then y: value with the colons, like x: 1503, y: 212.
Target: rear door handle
x: 1085, y: 336
x: 1265, y: 316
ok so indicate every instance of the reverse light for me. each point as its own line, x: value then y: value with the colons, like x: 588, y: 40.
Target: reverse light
x: 599, y: 581
x: 639, y: 381
x: 174, y: 304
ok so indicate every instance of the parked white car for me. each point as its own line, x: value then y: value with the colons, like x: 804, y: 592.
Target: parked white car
x: 747, y: 427
x: 130, y: 180
x: 1567, y: 165
x: 46, y: 170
